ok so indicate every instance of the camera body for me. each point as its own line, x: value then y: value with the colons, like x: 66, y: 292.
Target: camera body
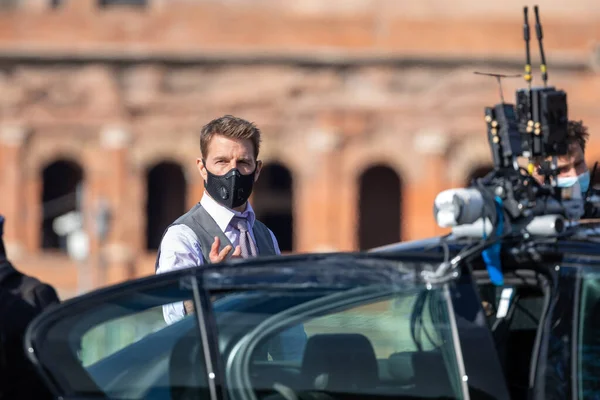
x: 542, y: 118
x: 510, y: 199
x: 535, y: 128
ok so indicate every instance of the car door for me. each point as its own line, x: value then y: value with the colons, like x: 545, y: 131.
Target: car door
x: 326, y: 326
x: 572, y: 359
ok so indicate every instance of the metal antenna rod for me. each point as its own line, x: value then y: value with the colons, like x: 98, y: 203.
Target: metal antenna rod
x: 527, y: 50
x: 540, y: 36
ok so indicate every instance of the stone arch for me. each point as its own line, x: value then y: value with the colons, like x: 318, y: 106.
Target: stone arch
x: 166, y: 190
x: 143, y: 162
x: 62, y: 192
x: 42, y: 154
x: 465, y: 154
x: 273, y: 200
x: 376, y: 157
x: 379, y: 206
x: 287, y: 156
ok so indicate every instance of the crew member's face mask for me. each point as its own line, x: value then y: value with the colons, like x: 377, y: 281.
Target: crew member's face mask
x: 568, y: 181
x: 231, y: 189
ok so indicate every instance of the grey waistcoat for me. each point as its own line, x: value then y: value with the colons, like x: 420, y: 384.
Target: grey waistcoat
x: 205, y: 228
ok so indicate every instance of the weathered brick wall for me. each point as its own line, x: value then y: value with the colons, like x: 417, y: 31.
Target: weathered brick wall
x: 335, y: 91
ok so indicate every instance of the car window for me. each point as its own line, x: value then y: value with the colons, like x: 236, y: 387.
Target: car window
x: 107, y: 338
x: 385, y: 323
x: 588, y: 350
x: 380, y: 346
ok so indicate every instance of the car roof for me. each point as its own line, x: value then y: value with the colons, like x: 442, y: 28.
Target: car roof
x: 583, y: 240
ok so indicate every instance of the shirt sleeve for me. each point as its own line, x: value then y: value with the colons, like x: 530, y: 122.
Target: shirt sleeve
x: 275, y: 243
x: 179, y: 249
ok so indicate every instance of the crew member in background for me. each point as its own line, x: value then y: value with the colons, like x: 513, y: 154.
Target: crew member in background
x: 572, y: 167
x: 222, y: 224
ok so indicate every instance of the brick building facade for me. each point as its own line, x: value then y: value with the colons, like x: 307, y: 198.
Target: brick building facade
x: 368, y: 109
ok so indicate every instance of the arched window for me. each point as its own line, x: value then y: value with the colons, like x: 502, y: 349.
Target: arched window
x: 62, y: 193
x: 166, y: 200
x: 380, y: 205
x: 273, y: 203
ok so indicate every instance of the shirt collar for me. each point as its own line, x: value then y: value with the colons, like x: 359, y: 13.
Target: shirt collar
x: 223, y: 215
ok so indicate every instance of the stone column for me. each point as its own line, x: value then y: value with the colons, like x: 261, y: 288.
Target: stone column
x: 33, y: 187
x: 117, y: 255
x: 137, y: 196
x: 194, y: 186
x: 12, y: 146
x: 315, y: 208
x: 115, y: 142
x: 419, y: 194
x: 346, y: 204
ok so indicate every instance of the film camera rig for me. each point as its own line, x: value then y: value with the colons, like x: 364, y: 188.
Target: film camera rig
x: 537, y: 127
x: 509, y: 200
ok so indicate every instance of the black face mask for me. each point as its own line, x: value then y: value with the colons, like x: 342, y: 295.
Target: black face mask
x: 232, y: 189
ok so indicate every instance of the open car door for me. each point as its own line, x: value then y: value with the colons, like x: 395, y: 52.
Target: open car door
x: 335, y: 326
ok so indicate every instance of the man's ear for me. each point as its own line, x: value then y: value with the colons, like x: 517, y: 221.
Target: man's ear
x: 202, y: 169
x: 259, y: 165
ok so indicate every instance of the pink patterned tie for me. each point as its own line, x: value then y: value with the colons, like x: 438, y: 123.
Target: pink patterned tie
x: 246, y: 242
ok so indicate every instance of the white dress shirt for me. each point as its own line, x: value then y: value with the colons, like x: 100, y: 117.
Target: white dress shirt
x: 180, y: 247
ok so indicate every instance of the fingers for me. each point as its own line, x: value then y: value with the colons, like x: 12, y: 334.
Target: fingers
x: 215, y: 247
x: 224, y: 252
x: 217, y: 256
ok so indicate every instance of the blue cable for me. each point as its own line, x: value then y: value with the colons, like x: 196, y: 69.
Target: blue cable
x: 491, y: 255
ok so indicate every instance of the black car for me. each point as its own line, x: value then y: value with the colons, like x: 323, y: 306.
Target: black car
x: 328, y: 326
x: 380, y: 324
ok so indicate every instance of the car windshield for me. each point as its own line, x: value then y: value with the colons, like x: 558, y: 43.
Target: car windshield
x: 353, y: 326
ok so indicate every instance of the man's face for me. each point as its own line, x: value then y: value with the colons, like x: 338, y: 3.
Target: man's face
x: 571, y: 165
x: 225, y: 153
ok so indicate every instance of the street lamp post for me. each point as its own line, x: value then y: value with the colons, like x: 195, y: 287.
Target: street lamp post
x: 74, y: 227
x: 70, y: 225
x: 102, y: 227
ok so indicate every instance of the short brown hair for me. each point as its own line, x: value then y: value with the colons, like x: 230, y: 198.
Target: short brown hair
x: 577, y: 132
x: 231, y: 127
